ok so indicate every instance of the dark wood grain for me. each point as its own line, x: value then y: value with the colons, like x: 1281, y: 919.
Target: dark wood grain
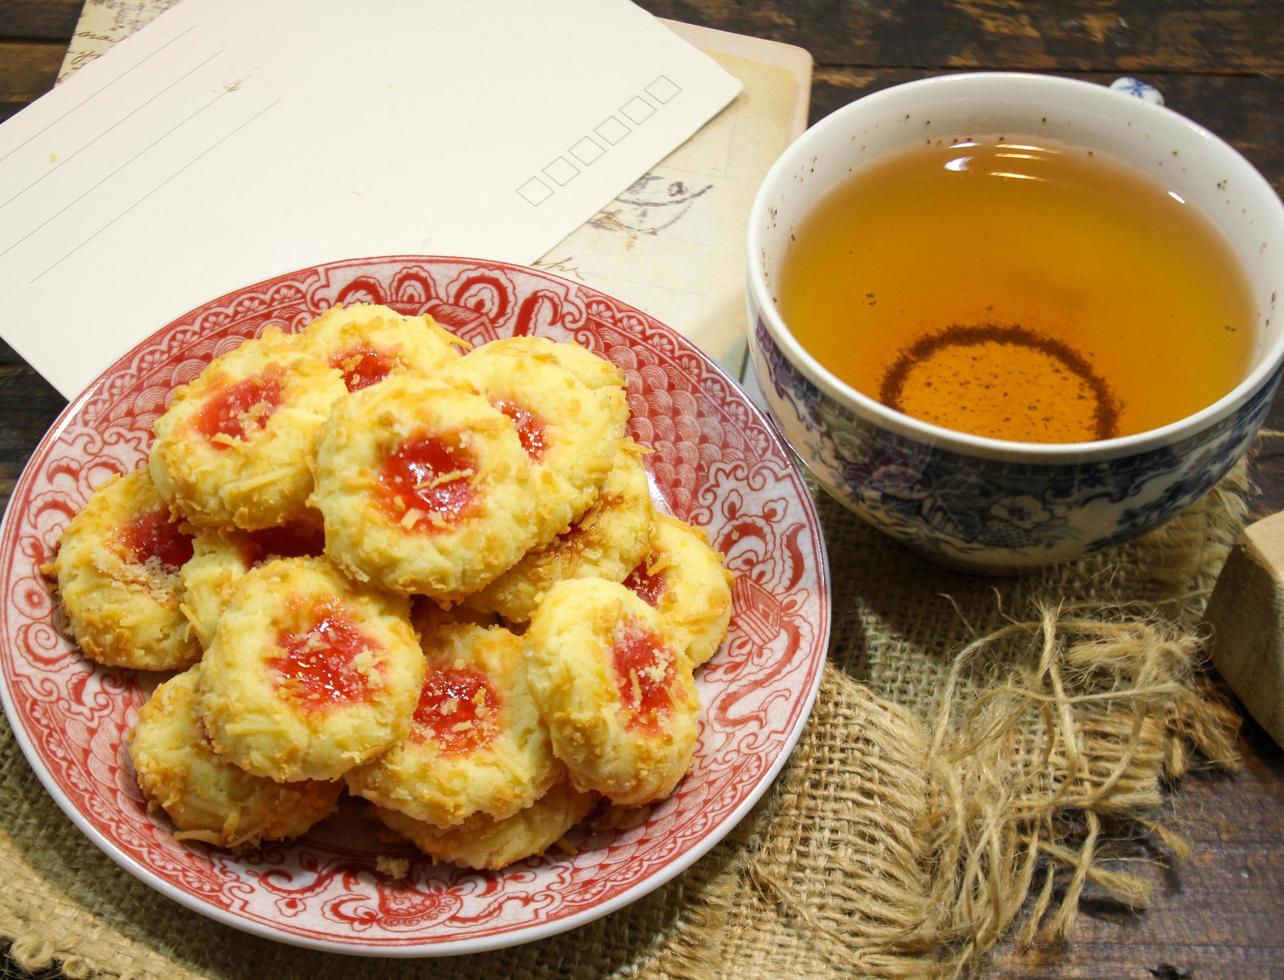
x: 51, y: 19
x: 28, y: 405
x: 1230, y: 37
x: 28, y: 68
x: 1218, y: 914
x: 1215, y: 915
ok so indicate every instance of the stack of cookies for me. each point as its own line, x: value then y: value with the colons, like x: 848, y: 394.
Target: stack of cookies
x: 430, y: 576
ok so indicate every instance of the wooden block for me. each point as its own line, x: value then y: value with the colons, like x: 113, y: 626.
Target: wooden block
x: 1246, y: 612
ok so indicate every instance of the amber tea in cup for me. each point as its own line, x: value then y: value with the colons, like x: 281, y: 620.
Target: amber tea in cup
x: 1019, y: 288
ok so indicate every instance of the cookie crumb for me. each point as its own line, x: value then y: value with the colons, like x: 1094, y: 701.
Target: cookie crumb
x: 392, y: 867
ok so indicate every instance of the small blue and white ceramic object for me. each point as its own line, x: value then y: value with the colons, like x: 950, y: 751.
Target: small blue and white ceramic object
x: 985, y: 504
x: 1137, y: 89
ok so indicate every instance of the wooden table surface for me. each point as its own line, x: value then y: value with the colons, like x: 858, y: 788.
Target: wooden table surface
x: 1220, y: 913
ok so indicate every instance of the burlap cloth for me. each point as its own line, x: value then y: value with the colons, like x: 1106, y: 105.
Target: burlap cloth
x: 979, y: 752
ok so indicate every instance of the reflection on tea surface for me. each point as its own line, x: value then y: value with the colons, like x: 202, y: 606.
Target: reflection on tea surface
x: 1020, y: 289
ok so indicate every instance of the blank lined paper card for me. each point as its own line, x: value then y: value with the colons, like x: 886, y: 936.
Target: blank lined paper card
x: 231, y: 140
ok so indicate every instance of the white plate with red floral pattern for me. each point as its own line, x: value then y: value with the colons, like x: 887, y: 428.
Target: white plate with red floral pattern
x: 717, y: 463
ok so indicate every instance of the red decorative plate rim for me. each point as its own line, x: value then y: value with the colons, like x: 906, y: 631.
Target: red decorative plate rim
x: 417, y: 946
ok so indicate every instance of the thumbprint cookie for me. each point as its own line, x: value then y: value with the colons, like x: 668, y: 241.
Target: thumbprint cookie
x: 233, y: 447
x: 685, y: 579
x: 117, y: 573
x: 424, y: 487
x: 368, y: 342
x: 221, y: 558
x: 477, y: 744
x: 607, y: 542
x: 569, y: 430
x: 309, y: 674
x: 207, y: 797
x: 597, y: 373
x: 614, y: 689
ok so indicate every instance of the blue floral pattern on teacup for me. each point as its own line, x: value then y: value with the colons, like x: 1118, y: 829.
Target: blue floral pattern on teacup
x: 1137, y: 89
x: 993, y: 514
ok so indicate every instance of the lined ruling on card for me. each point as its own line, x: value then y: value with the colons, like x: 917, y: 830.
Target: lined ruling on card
x: 231, y: 140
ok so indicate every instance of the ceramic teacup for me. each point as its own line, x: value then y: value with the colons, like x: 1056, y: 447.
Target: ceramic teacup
x: 985, y: 504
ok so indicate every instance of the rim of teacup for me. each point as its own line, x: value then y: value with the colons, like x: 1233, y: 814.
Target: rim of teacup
x: 963, y: 442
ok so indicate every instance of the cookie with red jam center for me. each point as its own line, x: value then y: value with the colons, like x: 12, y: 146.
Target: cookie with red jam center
x: 477, y: 744
x: 309, y: 673
x: 233, y: 448
x: 615, y: 690
x: 424, y: 488
x: 118, y: 578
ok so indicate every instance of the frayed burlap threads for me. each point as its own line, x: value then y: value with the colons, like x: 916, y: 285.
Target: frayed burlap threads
x: 1035, y: 763
x: 1058, y: 705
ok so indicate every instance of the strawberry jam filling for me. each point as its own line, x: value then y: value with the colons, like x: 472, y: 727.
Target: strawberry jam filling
x: 363, y: 366
x: 530, y: 428
x: 155, y: 538
x: 241, y: 408
x: 458, y: 709
x: 319, y: 668
x: 644, y: 670
x: 427, y: 483
x: 644, y: 585
x: 287, y: 541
